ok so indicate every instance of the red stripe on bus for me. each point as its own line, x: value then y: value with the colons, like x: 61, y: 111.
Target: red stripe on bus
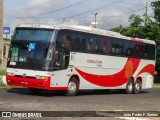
x: 113, y: 80
x: 148, y: 69
x: 137, y: 40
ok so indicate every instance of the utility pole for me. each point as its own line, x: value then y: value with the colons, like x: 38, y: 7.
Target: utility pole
x: 146, y: 13
x: 95, y: 18
x: 1, y: 32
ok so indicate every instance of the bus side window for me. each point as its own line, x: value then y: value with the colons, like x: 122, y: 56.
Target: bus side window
x: 64, y: 39
x: 146, y: 51
x: 67, y: 41
x: 61, y: 58
x: 74, y: 41
x: 152, y: 52
x: 92, y: 44
x: 108, y: 46
x: 102, y: 47
x: 60, y: 38
x: 129, y: 48
x: 81, y: 42
x: 138, y: 50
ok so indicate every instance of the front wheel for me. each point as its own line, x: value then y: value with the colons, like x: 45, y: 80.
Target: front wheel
x: 130, y: 86
x: 72, y: 87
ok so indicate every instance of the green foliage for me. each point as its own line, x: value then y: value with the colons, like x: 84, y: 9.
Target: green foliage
x: 135, y: 20
x: 156, y: 8
x: 2, y: 72
x: 147, y: 27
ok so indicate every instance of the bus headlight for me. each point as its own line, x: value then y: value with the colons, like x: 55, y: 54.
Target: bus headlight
x: 10, y: 74
x: 42, y: 77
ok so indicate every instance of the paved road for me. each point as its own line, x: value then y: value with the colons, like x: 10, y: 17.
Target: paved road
x: 22, y: 100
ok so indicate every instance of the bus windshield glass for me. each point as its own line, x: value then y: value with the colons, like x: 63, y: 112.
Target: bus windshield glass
x: 45, y: 35
x: 19, y: 52
x: 29, y: 55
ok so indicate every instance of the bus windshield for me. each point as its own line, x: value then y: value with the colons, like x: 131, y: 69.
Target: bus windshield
x: 45, y: 35
x: 22, y: 55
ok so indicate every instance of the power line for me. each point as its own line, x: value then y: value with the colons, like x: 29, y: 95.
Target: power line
x: 96, y: 9
x: 124, y: 14
x: 63, y: 8
x: 38, y: 5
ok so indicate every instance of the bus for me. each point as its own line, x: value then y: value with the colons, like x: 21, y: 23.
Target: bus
x: 74, y: 57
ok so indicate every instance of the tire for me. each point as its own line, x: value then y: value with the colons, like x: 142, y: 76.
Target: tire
x: 72, y: 87
x: 137, y: 87
x: 130, y: 86
x: 35, y: 91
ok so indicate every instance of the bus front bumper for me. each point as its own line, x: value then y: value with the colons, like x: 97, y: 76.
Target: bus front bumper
x: 28, y: 82
x: 33, y: 83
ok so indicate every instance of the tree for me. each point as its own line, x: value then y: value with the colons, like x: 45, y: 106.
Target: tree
x: 120, y: 29
x: 135, y: 20
x: 156, y: 8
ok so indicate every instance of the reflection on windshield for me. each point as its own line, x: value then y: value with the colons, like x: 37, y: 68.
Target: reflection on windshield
x: 45, y: 35
x: 40, y: 52
x: 20, y: 52
x: 32, y: 56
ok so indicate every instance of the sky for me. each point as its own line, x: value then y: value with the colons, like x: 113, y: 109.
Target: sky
x: 110, y: 13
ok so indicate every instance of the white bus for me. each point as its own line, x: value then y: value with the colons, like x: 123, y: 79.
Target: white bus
x: 73, y: 58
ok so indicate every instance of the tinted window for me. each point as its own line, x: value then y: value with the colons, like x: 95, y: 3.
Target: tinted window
x: 117, y: 47
x: 64, y: 39
x: 61, y: 58
x: 102, y: 45
x: 146, y: 51
x: 74, y: 43
x: 92, y: 43
x: 81, y: 42
x: 40, y: 51
x: 152, y: 52
x: 137, y: 50
x: 129, y: 48
x: 34, y: 34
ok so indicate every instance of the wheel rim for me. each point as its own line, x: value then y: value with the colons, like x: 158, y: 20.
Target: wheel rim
x: 72, y: 87
x: 130, y: 86
x: 137, y: 86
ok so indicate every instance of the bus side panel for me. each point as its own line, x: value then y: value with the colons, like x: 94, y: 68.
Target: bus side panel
x: 145, y: 72
x: 99, y: 65
x: 60, y: 78
x: 115, y: 68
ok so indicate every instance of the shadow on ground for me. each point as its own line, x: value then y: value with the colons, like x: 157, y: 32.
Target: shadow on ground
x: 47, y: 93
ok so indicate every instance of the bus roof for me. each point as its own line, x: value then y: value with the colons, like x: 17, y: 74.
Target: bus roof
x: 85, y: 29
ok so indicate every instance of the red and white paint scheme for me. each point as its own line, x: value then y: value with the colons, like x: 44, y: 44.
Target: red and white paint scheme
x: 126, y: 63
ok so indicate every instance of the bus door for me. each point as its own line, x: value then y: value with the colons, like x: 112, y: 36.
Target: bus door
x: 60, y: 74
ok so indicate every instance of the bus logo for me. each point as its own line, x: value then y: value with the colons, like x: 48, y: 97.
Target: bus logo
x: 24, y: 75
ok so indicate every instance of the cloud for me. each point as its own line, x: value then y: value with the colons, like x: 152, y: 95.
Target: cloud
x: 33, y: 11
x: 108, y: 19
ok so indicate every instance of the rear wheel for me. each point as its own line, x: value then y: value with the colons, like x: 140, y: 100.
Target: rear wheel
x: 130, y: 86
x: 137, y: 87
x: 35, y: 90
x: 72, y: 87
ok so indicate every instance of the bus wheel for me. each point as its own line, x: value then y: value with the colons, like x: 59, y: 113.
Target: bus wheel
x: 72, y: 87
x: 35, y: 91
x: 130, y: 86
x: 137, y: 87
